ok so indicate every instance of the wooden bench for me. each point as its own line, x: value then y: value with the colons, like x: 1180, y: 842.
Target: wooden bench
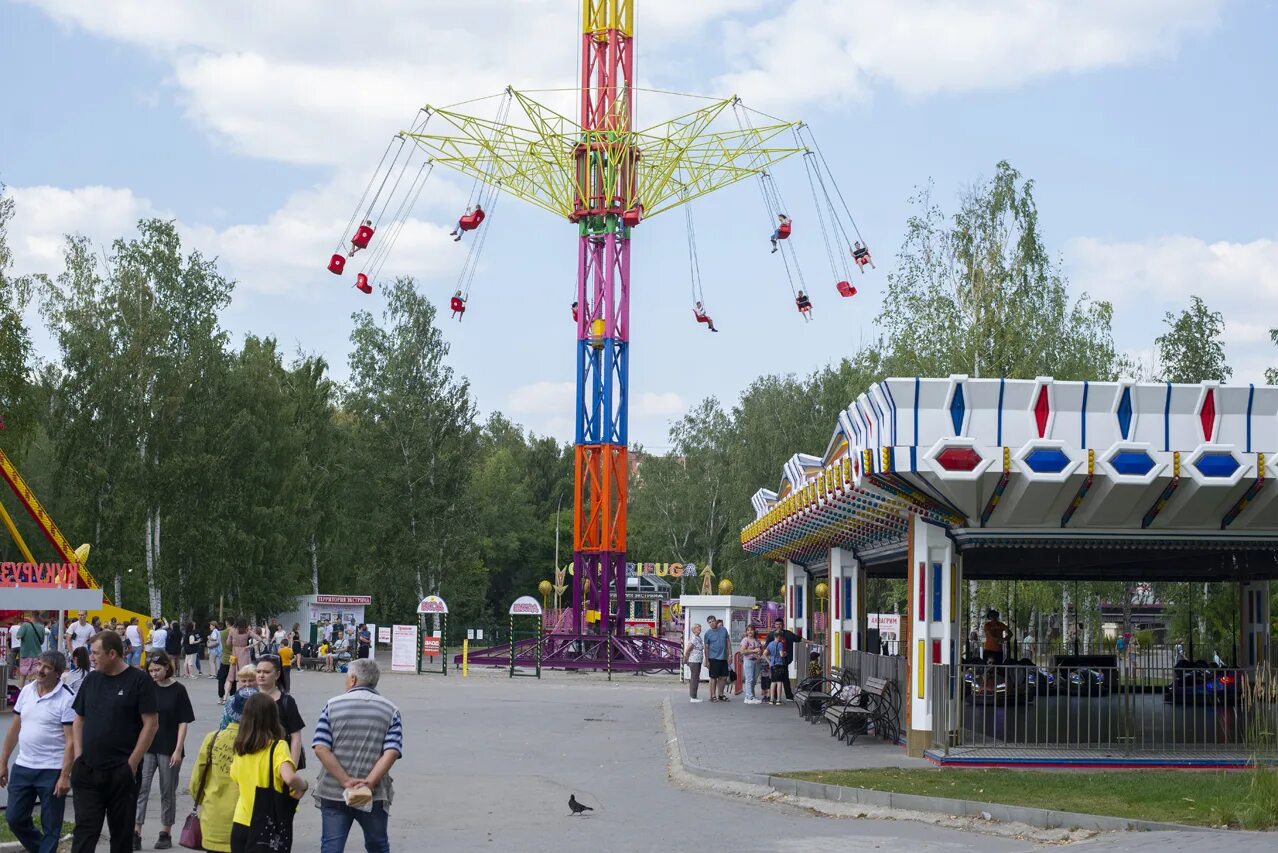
x: 813, y: 694
x: 875, y: 705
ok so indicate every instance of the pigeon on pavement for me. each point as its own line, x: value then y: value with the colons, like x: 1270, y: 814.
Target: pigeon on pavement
x: 577, y: 808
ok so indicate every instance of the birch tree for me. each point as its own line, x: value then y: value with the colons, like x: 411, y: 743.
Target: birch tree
x: 417, y: 432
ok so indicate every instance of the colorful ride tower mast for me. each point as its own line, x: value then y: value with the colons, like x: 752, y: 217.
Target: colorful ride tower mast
x: 606, y: 212
x: 605, y: 176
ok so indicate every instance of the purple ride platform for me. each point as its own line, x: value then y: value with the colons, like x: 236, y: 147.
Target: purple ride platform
x: 624, y: 653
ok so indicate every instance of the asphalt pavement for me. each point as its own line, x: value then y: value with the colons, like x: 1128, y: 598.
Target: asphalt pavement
x: 490, y: 762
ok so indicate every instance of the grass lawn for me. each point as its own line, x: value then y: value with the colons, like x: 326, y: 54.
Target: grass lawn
x: 6, y: 835
x: 1238, y: 798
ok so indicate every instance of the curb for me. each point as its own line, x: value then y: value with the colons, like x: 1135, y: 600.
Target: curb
x: 16, y: 846
x: 1041, y: 818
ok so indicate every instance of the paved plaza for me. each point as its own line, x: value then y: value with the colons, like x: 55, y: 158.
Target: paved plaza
x: 490, y: 763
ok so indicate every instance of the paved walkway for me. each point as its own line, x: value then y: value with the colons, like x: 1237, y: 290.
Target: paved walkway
x: 735, y: 737
x: 489, y: 764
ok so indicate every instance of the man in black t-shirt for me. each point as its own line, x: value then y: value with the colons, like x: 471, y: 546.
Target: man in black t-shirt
x: 116, y: 720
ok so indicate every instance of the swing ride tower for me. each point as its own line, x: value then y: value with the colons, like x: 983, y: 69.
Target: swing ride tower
x: 604, y: 176
x: 605, y: 212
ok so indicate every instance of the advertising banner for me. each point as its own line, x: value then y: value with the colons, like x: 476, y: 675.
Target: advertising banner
x: 404, y: 648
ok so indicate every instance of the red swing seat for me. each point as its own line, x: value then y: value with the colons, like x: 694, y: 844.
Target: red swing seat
x: 862, y: 258
x: 361, y: 283
x: 336, y: 264
x: 845, y: 288
x: 804, y: 305
x: 362, y: 235
x: 470, y: 221
x: 783, y: 231
x: 701, y: 318
x: 457, y: 304
x: 633, y: 216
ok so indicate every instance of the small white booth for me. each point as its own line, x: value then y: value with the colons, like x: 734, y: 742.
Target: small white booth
x: 312, y: 610
x: 734, y: 610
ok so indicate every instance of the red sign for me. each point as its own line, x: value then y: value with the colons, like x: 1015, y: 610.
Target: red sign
x: 43, y: 575
x: 344, y: 599
x: 430, y: 646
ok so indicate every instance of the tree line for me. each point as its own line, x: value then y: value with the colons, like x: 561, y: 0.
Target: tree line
x: 209, y: 474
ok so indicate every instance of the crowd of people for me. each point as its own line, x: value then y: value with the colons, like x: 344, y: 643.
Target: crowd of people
x: 107, y: 731
x: 765, y: 662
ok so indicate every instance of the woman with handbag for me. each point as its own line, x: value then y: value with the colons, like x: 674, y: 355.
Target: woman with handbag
x: 263, y: 769
x: 208, y: 826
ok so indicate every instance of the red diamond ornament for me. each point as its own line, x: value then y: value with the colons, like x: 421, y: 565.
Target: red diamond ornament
x: 1041, y: 410
x: 1208, y: 413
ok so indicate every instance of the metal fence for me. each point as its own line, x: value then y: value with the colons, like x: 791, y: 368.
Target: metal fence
x: 865, y: 665
x: 1083, y: 705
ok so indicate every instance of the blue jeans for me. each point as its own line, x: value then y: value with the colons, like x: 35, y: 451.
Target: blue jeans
x: 336, y: 819
x: 25, y: 785
x: 134, y: 658
x: 750, y: 675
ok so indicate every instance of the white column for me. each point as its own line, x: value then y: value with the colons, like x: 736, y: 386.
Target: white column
x: 1253, y: 622
x: 847, y: 603
x: 933, y: 577
x: 796, y: 598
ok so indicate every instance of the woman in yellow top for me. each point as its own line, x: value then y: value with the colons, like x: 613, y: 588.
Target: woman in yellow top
x: 217, y: 805
x: 261, y: 753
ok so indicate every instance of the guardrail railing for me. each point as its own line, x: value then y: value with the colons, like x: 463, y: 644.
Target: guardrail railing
x: 1094, y: 704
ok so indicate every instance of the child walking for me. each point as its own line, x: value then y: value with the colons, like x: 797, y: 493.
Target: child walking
x: 262, y: 758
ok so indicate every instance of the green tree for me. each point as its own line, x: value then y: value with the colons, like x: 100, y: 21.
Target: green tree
x: 15, y: 341
x: 140, y: 343
x: 685, y: 501
x: 417, y: 441
x: 978, y: 293
x: 1191, y: 349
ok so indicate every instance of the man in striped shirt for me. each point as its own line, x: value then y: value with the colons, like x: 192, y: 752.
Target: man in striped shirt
x: 358, y: 737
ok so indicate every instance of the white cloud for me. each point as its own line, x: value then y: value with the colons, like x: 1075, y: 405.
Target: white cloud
x: 654, y: 404
x: 542, y: 398
x: 1146, y: 279
x: 298, y: 82
x: 815, y: 50
x: 44, y: 215
x: 306, y: 82
x: 284, y: 254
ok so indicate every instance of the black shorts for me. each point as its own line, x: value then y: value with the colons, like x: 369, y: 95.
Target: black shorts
x: 718, y: 668
x: 780, y: 672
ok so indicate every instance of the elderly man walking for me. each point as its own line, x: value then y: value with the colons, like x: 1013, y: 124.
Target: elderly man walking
x: 41, y: 730
x: 358, y: 737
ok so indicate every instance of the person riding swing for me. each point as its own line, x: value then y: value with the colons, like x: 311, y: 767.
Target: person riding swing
x: 783, y: 230
x: 702, y: 317
x: 861, y: 256
x: 804, y: 304
x: 469, y: 221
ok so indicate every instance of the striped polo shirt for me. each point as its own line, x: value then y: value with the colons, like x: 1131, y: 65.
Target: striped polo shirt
x: 358, y: 727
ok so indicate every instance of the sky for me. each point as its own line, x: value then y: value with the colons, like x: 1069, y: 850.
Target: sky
x: 1147, y: 127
